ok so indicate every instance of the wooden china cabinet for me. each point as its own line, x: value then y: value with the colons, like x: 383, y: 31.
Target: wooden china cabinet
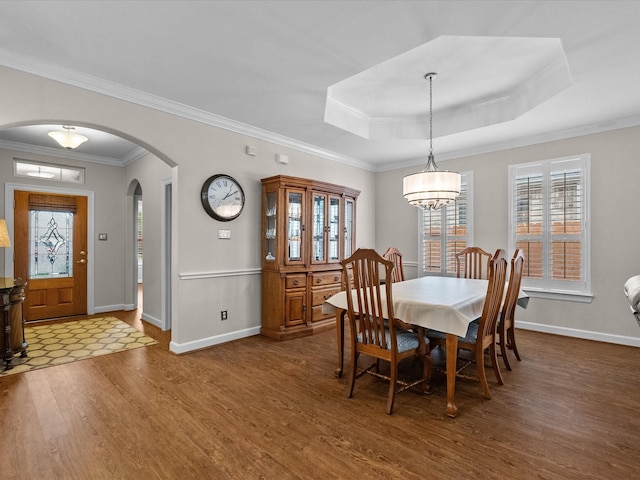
x: 308, y: 227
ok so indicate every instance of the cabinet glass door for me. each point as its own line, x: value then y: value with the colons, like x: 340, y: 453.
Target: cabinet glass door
x: 334, y: 229
x: 295, y: 226
x: 348, y: 227
x: 271, y: 227
x: 318, y: 247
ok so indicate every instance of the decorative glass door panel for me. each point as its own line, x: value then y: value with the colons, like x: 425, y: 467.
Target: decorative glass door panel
x: 334, y: 229
x: 318, y: 247
x: 50, y: 244
x: 348, y: 227
x: 271, y: 227
x: 51, y: 253
x: 295, y: 226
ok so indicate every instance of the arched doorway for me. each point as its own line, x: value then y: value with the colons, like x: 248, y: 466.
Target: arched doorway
x: 105, y: 224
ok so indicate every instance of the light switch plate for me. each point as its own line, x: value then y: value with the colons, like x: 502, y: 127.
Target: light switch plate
x: 225, y: 234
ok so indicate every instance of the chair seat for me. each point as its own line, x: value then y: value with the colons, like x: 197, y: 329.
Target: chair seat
x: 406, y: 340
x: 470, y: 337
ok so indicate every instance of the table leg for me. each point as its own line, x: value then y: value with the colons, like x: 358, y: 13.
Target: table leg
x: 452, y: 359
x: 340, y: 333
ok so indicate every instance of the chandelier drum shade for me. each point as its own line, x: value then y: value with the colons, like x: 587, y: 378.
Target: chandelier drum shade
x: 67, y: 138
x: 431, y: 188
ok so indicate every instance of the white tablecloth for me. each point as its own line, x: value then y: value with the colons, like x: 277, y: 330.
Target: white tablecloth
x: 445, y: 304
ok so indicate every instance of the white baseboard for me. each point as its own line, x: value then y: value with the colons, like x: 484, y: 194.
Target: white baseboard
x: 110, y: 308
x: 211, y: 341
x: 152, y: 320
x: 585, y: 334
x: 227, y: 337
x: 127, y: 308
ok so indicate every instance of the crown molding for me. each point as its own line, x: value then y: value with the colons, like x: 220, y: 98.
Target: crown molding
x: 627, y: 122
x: 116, y: 90
x: 68, y: 154
x: 135, y: 154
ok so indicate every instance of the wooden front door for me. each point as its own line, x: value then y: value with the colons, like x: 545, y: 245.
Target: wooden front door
x: 51, y: 253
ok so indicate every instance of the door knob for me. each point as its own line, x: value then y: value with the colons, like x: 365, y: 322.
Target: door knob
x: 82, y: 260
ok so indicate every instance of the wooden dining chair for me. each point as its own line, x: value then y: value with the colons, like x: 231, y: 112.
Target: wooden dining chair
x: 393, y: 254
x: 472, y: 262
x: 481, y: 335
x: 375, y: 331
x: 506, y: 323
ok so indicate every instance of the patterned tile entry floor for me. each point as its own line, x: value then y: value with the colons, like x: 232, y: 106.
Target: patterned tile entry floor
x: 60, y: 343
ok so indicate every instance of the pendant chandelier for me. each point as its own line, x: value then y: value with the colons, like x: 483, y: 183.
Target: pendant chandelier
x: 67, y: 138
x: 431, y: 188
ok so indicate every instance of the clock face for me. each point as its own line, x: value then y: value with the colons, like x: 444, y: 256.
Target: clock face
x: 222, y: 197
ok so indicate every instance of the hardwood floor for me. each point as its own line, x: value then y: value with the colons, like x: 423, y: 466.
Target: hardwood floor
x: 258, y: 408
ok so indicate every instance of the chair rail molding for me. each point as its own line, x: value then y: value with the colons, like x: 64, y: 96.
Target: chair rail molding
x: 220, y: 274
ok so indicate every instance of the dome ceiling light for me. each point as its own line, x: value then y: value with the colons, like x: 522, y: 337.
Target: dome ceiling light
x: 67, y: 138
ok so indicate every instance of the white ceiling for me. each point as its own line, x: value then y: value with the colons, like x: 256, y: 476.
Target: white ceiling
x: 264, y: 67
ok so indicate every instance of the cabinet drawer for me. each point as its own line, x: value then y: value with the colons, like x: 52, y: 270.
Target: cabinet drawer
x: 327, y: 278
x: 317, y: 315
x: 320, y: 295
x: 295, y: 281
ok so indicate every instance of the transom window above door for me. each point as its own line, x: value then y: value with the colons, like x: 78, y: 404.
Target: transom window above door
x: 47, y: 171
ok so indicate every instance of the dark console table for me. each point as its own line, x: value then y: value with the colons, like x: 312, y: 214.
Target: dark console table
x: 12, y: 339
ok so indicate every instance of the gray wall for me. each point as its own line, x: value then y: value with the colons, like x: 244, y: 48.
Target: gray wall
x: 209, y: 274
x: 615, y: 231
x: 150, y: 173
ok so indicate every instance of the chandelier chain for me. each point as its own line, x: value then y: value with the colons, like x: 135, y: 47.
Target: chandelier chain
x: 431, y: 114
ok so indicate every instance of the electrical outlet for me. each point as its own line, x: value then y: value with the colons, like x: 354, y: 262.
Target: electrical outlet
x: 223, y: 315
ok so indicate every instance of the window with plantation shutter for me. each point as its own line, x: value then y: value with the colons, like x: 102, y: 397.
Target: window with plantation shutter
x: 549, y: 205
x: 445, y: 232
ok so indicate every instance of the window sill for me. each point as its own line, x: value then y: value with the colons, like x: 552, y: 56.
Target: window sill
x: 566, y: 296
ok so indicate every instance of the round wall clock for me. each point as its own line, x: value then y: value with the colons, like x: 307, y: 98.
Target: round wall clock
x: 222, y: 197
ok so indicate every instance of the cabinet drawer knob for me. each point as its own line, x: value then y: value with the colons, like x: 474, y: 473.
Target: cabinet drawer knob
x: 296, y: 282
x: 319, y: 280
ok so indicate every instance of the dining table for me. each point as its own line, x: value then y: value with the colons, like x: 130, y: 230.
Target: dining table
x: 446, y: 304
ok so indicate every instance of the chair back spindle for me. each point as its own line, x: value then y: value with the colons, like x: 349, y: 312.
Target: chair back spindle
x: 506, y: 324
x: 366, y: 302
x: 495, y: 293
x: 393, y: 254
x: 472, y: 262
